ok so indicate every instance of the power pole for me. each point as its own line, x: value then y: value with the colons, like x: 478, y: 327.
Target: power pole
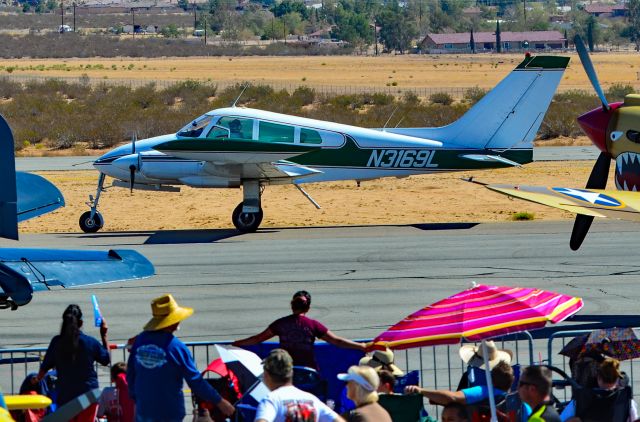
x: 524, y: 8
x: 74, y: 16
x: 133, y: 22
x: 204, y: 17
x: 61, y: 16
x: 195, y: 20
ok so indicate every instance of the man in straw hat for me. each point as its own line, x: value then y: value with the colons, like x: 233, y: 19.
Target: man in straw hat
x: 382, y: 359
x: 286, y: 402
x: 158, y: 364
x: 472, y: 356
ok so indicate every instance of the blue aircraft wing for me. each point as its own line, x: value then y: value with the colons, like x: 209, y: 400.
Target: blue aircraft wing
x: 36, y: 196
x: 25, y: 271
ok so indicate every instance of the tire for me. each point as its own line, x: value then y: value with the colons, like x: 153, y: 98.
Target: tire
x: 246, y: 222
x: 91, y: 225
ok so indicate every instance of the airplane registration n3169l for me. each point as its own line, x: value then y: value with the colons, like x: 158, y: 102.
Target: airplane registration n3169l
x: 242, y: 147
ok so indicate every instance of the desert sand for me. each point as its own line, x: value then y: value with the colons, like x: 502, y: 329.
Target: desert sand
x: 412, y: 200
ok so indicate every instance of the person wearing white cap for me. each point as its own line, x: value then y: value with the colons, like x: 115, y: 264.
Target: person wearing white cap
x: 159, y: 363
x: 362, y: 386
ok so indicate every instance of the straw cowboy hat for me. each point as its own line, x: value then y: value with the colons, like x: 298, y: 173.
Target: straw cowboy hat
x: 472, y: 355
x: 382, y: 359
x: 166, y: 312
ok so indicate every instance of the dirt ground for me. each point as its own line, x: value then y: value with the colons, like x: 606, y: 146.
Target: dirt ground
x: 418, y: 199
x: 415, y: 71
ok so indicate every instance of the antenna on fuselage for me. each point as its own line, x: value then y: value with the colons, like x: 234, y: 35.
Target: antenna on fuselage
x: 390, y: 116
x: 240, y: 95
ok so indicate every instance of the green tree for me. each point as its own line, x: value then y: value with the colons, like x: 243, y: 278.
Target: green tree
x: 397, y: 30
x: 352, y: 27
x: 183, y: 4
x: 170, y: 31
x: 51, y: 5
x: 290, y: 6
x: 634, y: 22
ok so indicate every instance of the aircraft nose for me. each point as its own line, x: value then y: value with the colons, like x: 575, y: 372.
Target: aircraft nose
x: 595, y: 123
x: 125, y: 163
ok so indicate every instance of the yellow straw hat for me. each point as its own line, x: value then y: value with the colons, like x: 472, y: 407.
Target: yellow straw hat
x: 166, y: 312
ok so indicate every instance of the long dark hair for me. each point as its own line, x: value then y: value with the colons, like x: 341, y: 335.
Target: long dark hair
x: 301, y: 302
x: 70, y: 332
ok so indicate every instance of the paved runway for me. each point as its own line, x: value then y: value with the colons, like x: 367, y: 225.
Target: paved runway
x: 362, y: 278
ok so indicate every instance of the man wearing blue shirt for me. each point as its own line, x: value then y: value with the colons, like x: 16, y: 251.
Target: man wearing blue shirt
x: 158, y: 364
x: 501, y: 378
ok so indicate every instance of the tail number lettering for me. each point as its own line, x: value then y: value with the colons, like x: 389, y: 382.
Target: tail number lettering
x: 402, y: 158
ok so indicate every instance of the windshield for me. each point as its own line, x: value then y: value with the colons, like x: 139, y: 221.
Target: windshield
x: 194, y: 129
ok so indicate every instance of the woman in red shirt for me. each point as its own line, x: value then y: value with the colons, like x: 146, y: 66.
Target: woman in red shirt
x: 298, y: 333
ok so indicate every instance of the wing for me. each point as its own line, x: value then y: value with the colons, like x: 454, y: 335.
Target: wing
x: 623, y: 205
x: 25, y: 271
x: 36, y: 196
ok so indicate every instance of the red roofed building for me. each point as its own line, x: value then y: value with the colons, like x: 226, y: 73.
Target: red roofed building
x: 607, y: 10
x: 486, y: 41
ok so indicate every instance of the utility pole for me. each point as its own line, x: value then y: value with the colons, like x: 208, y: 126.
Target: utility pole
x: 204, y: 17
x: 524, y: 9
x: 61, y: 16
x: 195, y: 20
x: 133, y: 22
x: 74, y: 16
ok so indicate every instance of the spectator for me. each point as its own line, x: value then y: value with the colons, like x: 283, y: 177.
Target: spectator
x: 600, y: 403
x: 534, y: 389
x: 362, y: 383
x: 74, y: 354
x: 115, y: 403
x: 382, y: 359
x: 501, y: 378
x: 455, y: 412
x: 472, y: 356
x: 158, y: 364
x: 286, y: 402
x: 387, y: 382
x: 297, y: 333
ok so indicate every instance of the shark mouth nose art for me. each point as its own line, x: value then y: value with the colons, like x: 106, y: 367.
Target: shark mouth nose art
x: 628, y: 171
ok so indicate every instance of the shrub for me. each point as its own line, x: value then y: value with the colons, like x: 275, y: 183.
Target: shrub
x: 618, y: 91
x: 441, y: 98
x: 303, y: 95
x: 474, y: 94
x: 522, y: 216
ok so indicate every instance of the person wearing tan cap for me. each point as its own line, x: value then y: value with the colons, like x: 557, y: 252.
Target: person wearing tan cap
x: 362, y: 386
x: 159, y: 363
x: 286, y: 402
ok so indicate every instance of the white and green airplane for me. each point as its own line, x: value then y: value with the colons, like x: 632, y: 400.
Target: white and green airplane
x: 242, y: 147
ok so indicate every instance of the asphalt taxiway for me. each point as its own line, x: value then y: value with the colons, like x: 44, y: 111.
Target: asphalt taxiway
x: 362, y: 278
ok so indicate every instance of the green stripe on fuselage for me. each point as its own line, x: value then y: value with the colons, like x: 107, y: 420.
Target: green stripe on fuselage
x: 230, y: 145
x: 350, y: 155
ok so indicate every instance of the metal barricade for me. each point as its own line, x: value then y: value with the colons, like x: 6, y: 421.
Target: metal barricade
x: 439, y: 367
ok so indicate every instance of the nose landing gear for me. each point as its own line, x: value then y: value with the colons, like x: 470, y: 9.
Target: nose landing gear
x: 92, y: 221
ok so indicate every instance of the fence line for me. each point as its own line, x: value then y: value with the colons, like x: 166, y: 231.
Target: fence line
x: 423, y: 92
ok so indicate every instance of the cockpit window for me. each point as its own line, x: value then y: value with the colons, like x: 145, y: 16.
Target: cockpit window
x: 195, y: 128
x: 233, y: 127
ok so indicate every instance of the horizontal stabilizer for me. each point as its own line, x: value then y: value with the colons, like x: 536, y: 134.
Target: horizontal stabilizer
x: 25, y: 271
x: 36, y: 196
x: 490, y: 158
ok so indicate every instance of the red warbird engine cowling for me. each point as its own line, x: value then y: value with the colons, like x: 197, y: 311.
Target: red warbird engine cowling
x: 595, y: 123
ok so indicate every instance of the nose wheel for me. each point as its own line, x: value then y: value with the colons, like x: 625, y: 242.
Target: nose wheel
x: 246, y: 222
x: 91, y: 224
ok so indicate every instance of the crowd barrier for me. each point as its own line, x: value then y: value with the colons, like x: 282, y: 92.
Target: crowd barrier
x: 439, y: 367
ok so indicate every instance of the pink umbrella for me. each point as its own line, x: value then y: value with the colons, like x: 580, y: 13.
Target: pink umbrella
x: 479, y: 313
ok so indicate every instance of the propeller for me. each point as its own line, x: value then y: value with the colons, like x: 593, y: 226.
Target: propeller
x: 600, y: 172
x: 591, y: 72
x: 597, y: 180
x: 133, y: 168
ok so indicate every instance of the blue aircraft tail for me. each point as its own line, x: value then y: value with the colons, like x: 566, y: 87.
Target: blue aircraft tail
x: 22, y: 195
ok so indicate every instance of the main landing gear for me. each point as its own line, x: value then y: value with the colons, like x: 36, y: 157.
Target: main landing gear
x: 247, y: 216
x: 92, y: 221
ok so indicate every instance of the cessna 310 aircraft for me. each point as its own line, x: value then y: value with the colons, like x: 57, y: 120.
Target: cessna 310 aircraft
x: 614, y: 129
x: 25, y: 271
x: 236, y: 146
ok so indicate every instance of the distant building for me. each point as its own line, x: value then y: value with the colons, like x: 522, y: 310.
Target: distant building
x: 607, y: 10
x: 486, y: 41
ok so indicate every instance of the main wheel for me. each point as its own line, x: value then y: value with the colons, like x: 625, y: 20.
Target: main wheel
x: 91, y: 225
x: 246, y: 222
